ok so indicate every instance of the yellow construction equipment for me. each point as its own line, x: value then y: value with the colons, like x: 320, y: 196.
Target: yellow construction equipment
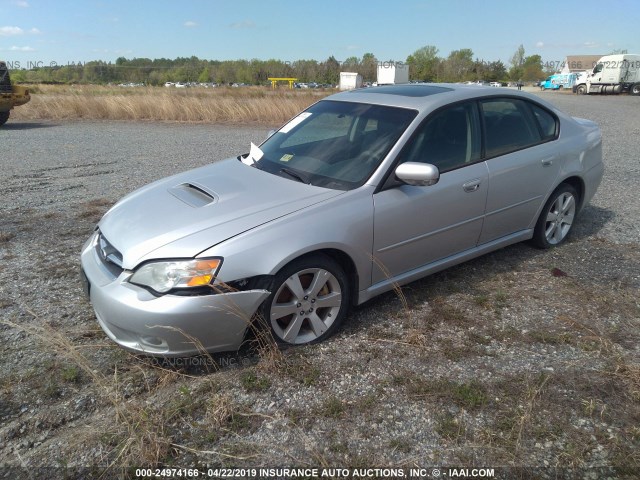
x: 275, y: 80
x: 10, y: 95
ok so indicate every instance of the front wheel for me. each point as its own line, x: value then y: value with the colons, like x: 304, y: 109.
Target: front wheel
x: 309, y: 299
x: 581, y: 90
x: 4, y: 116
x: 635, y: 89
x: 556, y: 218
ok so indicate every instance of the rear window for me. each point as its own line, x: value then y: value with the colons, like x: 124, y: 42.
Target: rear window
x: 547, y: 122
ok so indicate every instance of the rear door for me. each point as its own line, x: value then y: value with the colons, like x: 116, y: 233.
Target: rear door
x: 520, y: 143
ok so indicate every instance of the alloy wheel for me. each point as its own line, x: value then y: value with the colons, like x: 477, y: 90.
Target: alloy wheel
x: 560, y: 218
x: 305, y: 305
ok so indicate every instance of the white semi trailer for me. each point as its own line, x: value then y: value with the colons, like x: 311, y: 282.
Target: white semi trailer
x: 612, y: 74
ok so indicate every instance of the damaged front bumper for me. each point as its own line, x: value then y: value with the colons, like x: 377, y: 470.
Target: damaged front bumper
x: 168, y: 325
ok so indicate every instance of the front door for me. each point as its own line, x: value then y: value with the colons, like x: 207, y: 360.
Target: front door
x: 414, y: 226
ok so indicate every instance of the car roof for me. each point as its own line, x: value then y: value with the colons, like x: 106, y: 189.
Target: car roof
x: 427, y: 96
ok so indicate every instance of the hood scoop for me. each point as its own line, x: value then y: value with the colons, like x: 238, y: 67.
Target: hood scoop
x: 193, y: 194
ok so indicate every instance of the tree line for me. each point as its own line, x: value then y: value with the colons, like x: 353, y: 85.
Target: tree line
x: 424, y: 65
x: 460, y: 65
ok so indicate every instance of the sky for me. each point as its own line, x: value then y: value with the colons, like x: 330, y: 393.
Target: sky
x: 44, y: 32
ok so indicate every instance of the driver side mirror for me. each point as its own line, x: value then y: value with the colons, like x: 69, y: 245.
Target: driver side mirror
x: 418, y: 174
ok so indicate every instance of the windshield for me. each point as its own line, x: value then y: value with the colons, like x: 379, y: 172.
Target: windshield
x: 334, y: 144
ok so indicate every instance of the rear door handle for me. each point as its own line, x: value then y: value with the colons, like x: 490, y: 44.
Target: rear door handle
x: 547, y: 162
x: 471, y: 185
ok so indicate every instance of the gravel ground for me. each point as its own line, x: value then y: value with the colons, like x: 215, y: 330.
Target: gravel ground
x: 519, y: 358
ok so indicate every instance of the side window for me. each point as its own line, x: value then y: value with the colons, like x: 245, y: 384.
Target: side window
x: 547, y: 122
x: 508, y: 126
x: 448, y: 139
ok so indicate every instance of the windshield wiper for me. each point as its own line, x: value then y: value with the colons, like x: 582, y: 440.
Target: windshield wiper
x: 296, y: 175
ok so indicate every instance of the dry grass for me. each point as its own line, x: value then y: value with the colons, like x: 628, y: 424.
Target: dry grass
x: 141, y: 433
x: 94, y: 209
x: 139, y: 430
x: 245, y: 105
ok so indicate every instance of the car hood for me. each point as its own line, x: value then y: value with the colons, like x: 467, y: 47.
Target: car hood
x: 180, y: 216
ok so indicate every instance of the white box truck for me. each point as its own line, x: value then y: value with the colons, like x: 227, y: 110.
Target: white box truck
x: 350, y: 80
x: 612, y: 74
x: 391, y: 73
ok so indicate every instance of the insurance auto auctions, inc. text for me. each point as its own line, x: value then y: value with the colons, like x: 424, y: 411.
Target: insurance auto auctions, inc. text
x: 354, y: 473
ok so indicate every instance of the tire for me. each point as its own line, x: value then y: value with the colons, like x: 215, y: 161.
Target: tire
x: 308, y: 302
x: 557, y: 217
x: 635, y: 89
x: 4, y: 116
x: 581, y: 90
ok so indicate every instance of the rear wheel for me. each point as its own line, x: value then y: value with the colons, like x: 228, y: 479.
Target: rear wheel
x: 4, y: 116
x: 635, y: 89
x: 581, y: 90
x: 309, y: 299
x: 557, y: 217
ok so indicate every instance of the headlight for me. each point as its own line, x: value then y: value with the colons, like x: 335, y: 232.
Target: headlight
x: 165, y: 276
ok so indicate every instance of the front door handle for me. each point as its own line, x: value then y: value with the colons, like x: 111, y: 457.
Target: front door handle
x: 471, y: 185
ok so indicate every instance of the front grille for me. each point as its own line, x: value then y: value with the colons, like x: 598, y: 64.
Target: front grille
x: 110, y: 256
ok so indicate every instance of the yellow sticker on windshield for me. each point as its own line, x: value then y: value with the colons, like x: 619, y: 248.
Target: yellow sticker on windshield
x: 286, y: 157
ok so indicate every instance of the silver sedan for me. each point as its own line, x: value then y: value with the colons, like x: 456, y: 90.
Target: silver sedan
x: 363, y: 191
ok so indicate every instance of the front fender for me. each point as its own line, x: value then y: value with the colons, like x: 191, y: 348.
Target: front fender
x: 344, y: 223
